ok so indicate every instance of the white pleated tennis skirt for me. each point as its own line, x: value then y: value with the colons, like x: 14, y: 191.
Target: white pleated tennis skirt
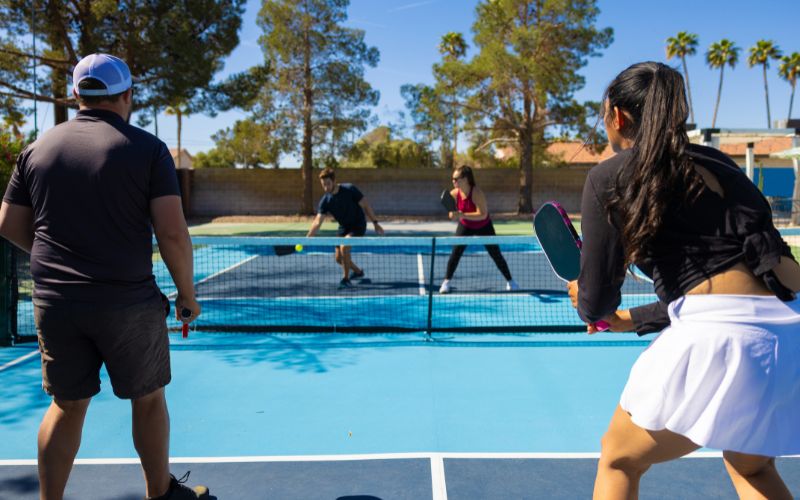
x: 725, y: 374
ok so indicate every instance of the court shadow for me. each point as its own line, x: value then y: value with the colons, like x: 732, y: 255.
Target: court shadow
x: 20, y: 485
x: 22, y: 384
x: 306, y: 354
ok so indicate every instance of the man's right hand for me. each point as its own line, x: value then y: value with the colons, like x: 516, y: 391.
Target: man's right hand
x: 190, y: 304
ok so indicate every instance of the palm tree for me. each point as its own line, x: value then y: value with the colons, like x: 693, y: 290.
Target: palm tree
x: 682, y: 45
x: 179, y: 110
x: 453, y: 47
x: 721, y: 54
x: 789, y: 70
x: 761, y: 53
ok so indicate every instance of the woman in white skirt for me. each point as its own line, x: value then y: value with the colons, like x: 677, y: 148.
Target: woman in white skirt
x: 724, y: 372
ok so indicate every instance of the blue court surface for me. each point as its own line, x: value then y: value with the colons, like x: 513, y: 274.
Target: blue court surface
x: 477, y: 394
x: 343, y: 416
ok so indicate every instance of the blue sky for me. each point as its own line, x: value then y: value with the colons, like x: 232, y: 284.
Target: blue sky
x: 407, y: 33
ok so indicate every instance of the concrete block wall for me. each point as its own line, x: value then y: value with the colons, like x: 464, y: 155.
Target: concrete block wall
x: 218, y: 192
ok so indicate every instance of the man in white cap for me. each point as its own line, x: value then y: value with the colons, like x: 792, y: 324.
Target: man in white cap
x: 84, y: 201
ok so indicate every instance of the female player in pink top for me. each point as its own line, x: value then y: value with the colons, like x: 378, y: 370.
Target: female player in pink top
x: 474, y: 220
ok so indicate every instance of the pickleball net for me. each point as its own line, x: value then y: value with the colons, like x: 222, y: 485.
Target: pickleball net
x: 245, y: 285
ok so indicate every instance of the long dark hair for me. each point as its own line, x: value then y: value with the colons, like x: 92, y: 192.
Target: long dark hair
x: 659, y: 171
x: 466, y: 171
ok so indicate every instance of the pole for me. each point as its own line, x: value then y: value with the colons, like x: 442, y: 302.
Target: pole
x: 795, y: 209
x: 749, y: 160
x: 429, y: 330
x: 33, y: 32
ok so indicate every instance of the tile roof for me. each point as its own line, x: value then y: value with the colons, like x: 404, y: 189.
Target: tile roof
x: 762, y: 147
x: 575, y: 152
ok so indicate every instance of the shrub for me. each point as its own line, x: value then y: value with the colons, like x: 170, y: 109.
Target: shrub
x: 11, y: 146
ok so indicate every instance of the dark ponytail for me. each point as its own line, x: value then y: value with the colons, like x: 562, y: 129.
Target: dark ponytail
x: 659, y: 171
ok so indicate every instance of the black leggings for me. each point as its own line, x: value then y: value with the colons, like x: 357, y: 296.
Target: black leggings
x: 494, y: 250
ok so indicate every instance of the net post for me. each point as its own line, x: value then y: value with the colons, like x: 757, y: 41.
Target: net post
x: 794, y: 210
x: 8, y: 307
x: 749, y: 161
x: 429, y: 329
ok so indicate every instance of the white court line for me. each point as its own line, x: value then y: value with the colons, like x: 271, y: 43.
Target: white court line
x: 421, y: 274
x: 19, y: 360
x: 438, y: 484
x: 500, y: 293
x: 342, y: 458
x: 231, y: 268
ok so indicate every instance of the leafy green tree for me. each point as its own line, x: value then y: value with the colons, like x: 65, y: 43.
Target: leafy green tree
x: 173, y: 49
x: 16, y: 76
x: 318, y: 72
x: 452, y: 45
x: 789, y: 70
x: 435, y: 109
x: 720, y: 54
x: 681, y: 45
x: 378, y: 149
x: 524, y: 76
x: 11, y: 145
x: 760, y: 54
x: 431, y: 117
x: 453, y: 48
x: 215, y: 158
x: 248, y: 144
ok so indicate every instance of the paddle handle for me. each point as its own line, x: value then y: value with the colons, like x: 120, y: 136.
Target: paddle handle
x: 601, y: 326
x: 185, y: 313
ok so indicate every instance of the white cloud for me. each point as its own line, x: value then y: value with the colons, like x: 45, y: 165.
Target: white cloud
x: 411, y: 6
x: 363, y: 22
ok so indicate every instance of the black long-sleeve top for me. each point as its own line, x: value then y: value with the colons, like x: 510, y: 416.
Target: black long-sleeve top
x: 696, y: 241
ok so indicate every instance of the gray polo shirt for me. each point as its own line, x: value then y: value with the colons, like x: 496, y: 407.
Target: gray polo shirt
x: 90, y: 181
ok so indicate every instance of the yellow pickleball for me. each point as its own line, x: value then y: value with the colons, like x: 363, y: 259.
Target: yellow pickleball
x: 298, y: 247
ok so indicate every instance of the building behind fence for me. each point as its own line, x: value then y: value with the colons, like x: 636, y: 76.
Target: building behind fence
x: 415, y: 191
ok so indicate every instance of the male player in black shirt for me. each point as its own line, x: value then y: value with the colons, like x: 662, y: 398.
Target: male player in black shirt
x: 84, y: 201
x: 348, y: 206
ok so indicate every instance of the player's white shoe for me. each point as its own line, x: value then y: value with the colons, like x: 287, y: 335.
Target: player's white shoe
x: 511, y: 286
x: 445, y: 288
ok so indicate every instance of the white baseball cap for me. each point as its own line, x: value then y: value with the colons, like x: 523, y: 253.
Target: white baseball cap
x: 109, y: 70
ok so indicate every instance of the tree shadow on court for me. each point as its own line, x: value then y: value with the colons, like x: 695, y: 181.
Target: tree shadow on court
x: 301, y: 353
x: 21, y: 485
x: 21, y: 392
x: 329, y: 349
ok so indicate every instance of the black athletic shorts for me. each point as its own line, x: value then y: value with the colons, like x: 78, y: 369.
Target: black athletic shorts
x: 351, y: 231
x: 76, y: 338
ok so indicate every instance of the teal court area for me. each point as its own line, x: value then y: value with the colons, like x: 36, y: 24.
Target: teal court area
x: 364, y: 416
x: 389, y: 390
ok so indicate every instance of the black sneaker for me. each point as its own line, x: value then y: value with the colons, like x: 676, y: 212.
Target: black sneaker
x: 357, y: 275
x: 178, y: 491
x: 345, y: 283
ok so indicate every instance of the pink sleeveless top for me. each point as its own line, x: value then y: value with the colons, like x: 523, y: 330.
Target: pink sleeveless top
x: 467, y: 205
